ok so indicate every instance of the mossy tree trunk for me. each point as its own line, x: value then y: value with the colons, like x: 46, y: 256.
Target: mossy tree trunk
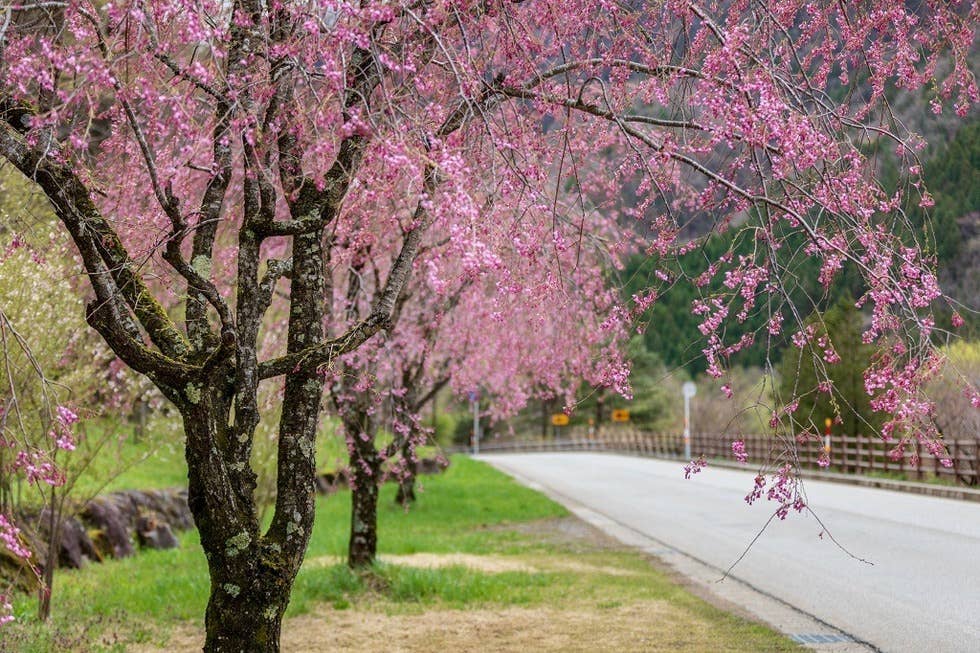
x: 365, y: 480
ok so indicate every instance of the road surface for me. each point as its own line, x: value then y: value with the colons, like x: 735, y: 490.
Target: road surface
x: 920, y: 594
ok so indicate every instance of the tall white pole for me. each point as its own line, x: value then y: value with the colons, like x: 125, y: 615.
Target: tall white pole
x: 689, y: 390
x: 687, y: 427
x: 476, y: 424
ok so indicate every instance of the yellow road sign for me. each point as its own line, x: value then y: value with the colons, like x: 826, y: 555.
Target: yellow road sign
x: 620, y: 416
x: 559, y: 419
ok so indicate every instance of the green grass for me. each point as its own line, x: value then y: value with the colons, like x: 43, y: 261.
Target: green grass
x: 927, y: 477
x: 471, y: 509
x: 157, y: 460
x: 448, y: 518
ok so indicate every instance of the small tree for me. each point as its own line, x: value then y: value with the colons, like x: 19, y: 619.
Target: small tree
x: 49, y: 378
x: 732, y: 406
x: 457, y: 329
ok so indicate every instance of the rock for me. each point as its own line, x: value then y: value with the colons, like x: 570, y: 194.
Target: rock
x: 74, y: 549
x: 154, y: 533
x: 119, y: 515
x: 16, y: 572
x: 76, y: 546
x: 331, y: 482
x: 431, y: 465
x: 170, y: 506
x: 323, y: 486
x: 114, y: 524
x: 106, y: 527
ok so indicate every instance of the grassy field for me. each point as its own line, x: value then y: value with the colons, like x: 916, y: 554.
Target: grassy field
x: 476, y: 545
x: 120, y: 460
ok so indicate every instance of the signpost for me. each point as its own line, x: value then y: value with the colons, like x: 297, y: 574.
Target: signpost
x: 689, y: 390
x: 475, y: 405
x: 826, y: 436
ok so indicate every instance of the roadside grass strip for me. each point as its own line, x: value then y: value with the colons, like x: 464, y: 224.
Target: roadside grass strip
x: 479, y: 563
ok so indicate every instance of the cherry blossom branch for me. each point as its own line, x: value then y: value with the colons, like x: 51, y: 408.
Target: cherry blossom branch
x: 95, y: 238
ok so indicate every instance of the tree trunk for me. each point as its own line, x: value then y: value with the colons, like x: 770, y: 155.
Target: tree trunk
x: 365, y: 470
x: 545, y: 403
x: 406, y: 491
x: 251, y: 574
x: 406, y: 484
x: 246, y: 605
x: 51, y: 557
x: 363, y: 546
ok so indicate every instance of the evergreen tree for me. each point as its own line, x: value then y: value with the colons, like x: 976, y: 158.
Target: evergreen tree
x: 802, y: 370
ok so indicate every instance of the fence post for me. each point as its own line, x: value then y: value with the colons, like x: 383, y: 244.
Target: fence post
x: 954, y: 456
x: 859, y: 458
x: 976, y: 463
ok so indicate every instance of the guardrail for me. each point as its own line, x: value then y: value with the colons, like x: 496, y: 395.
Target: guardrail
x: 849, y: 454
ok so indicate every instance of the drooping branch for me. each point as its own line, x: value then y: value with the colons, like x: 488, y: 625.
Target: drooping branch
x: 101, y: 248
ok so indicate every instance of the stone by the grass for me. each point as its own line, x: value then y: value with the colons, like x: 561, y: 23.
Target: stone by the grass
x: 333, y: 481
x: 114, y: 522
x: 154, y: 533
x: 76, y: 546
x: 16, y: 572
x: 431, y: 465
x: 120, y: 516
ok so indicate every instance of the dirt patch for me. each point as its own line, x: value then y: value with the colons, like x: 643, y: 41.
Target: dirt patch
x: 569, y: 534
x: 574, y: 535
x: 489, y: 564
x: 641, y: 626
x: 486, y: 564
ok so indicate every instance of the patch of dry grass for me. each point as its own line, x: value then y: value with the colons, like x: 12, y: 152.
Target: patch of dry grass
x: 637, y: 626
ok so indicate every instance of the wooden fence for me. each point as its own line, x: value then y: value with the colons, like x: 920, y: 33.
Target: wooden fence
x: 857, y: 454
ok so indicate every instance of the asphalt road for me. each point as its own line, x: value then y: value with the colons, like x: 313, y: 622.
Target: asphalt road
x: 921, y: 592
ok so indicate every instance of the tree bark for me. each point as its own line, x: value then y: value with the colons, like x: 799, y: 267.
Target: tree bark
x: 406, y: 484
x: 251, y: 574
x: 363, y: 546
x: 365, y: 466
x: 245, y: 608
